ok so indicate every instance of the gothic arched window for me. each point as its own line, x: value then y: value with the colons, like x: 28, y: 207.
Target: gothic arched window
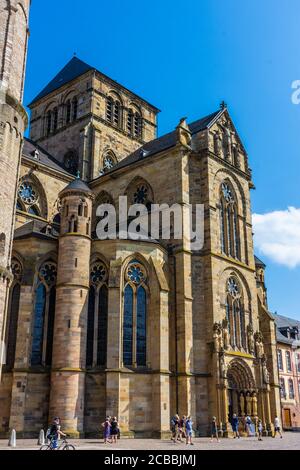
x: 137, y: 125
x: 109, y: 109
x: 229, y: 223
x: 74, y: 108
x: 44, y: 314
x: 96, y: 346
x: 31, y: 199
x: 48, y: 122
x: 55, y: 119
x: 68, y: 111
x: 13, y: 313
x: 135, y: 316
x: 235, y: 314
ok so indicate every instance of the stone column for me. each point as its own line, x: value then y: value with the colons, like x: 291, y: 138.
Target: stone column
x: 70, y: 327
x: 13, y: 121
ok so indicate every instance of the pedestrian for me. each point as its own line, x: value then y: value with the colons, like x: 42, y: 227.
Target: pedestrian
x: 106, y: 430
x: 114, y: 430
x: 260, y: 429
x: 189, y: 431
x: 235, y: 426
x: 182, y: 428
x: 54, y: 433
x: 248, y: 425
x: 214, y: 429
x: 277, y: 427
x: 175, y: 428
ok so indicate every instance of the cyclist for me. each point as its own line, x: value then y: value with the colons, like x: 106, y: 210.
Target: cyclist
x: 54, y: 433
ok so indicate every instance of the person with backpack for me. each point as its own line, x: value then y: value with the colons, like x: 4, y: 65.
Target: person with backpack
x: 114, y: 430
x: 54, y: 433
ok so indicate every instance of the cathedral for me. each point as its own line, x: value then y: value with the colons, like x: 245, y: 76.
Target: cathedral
x: 138, y: 329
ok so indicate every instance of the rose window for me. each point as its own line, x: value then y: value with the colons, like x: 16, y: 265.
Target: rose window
x: 98, y: 273
x: 48, y: 273
x: 27, y: 193
x: 136, y: 273
x: 227, y: 193
x: 140, y: 195
x: 108, y: 163
x: 233, y: 287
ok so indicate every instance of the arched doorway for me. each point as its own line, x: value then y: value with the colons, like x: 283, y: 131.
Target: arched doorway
x: 241, y: 390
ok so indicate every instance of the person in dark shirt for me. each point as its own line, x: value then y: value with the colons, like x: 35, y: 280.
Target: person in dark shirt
x: 235, y: 426
x: 114, y: 429
x: 54, y: 433
x: 214, y: 429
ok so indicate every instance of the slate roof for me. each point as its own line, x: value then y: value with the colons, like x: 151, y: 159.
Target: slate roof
x: 74, y: 69
x: 77, y: 185
x: 33, y: 228
x: 165, y: 142
x: 284, y: 322
x: 44, y: 157
x: 259, y: 262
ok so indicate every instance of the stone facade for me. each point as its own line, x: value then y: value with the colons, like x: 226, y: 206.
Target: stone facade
x: 13, y: 121
x: 138, y: 329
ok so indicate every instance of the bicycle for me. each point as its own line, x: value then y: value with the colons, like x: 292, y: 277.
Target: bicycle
x: 63, y: 445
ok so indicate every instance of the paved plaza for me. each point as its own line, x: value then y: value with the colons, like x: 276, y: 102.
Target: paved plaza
x: 290, y: 441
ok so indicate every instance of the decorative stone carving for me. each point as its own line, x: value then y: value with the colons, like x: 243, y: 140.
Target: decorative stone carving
x: 217, y: 144
x: 254, y: 404
x: 259, y: 347
x: 223, y: 369
x: 248, y: 403
x: 184, y: 136
x: 250, y: 338
x: 266, y: 375
x: 242, y: 403
x: 217, y: 336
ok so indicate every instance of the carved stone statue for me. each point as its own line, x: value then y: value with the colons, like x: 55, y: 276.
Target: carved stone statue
x: 242, y: 403
x: 225, y: 327
x: 227, y: 144
x: 259, y: 347
x: 217, y: 144
x: 184, y: 136
x: 217, y: 336
x: 248, y: 403
x: 265, y: 371
x: 223, y: 370
x: 250, y: 337
x: 254, y: 404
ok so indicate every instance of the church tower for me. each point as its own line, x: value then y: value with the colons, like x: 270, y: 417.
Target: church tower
x: 13, y: 121
x: 69, y: 343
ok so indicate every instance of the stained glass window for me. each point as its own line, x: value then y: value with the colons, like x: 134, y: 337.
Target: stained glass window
x: 27, y: 193
x: 141, y: 194
x: 135, y: 273
x: 13, y: 325
x: 141, y: 327
x: 50, y: 327
x: 102, y: 327
x: 128, y: 326
x: 39, y: 314
x: 229, y: 222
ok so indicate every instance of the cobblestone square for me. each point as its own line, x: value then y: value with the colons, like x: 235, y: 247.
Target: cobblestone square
x: 290, y: 441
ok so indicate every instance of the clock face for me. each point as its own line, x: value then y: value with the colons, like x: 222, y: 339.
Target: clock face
x: 227, y: 193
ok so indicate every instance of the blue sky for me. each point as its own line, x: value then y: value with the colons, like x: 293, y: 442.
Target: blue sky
x: 185, y: 58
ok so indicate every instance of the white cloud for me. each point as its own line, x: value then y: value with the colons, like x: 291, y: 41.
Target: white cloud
x: 277, y: 236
